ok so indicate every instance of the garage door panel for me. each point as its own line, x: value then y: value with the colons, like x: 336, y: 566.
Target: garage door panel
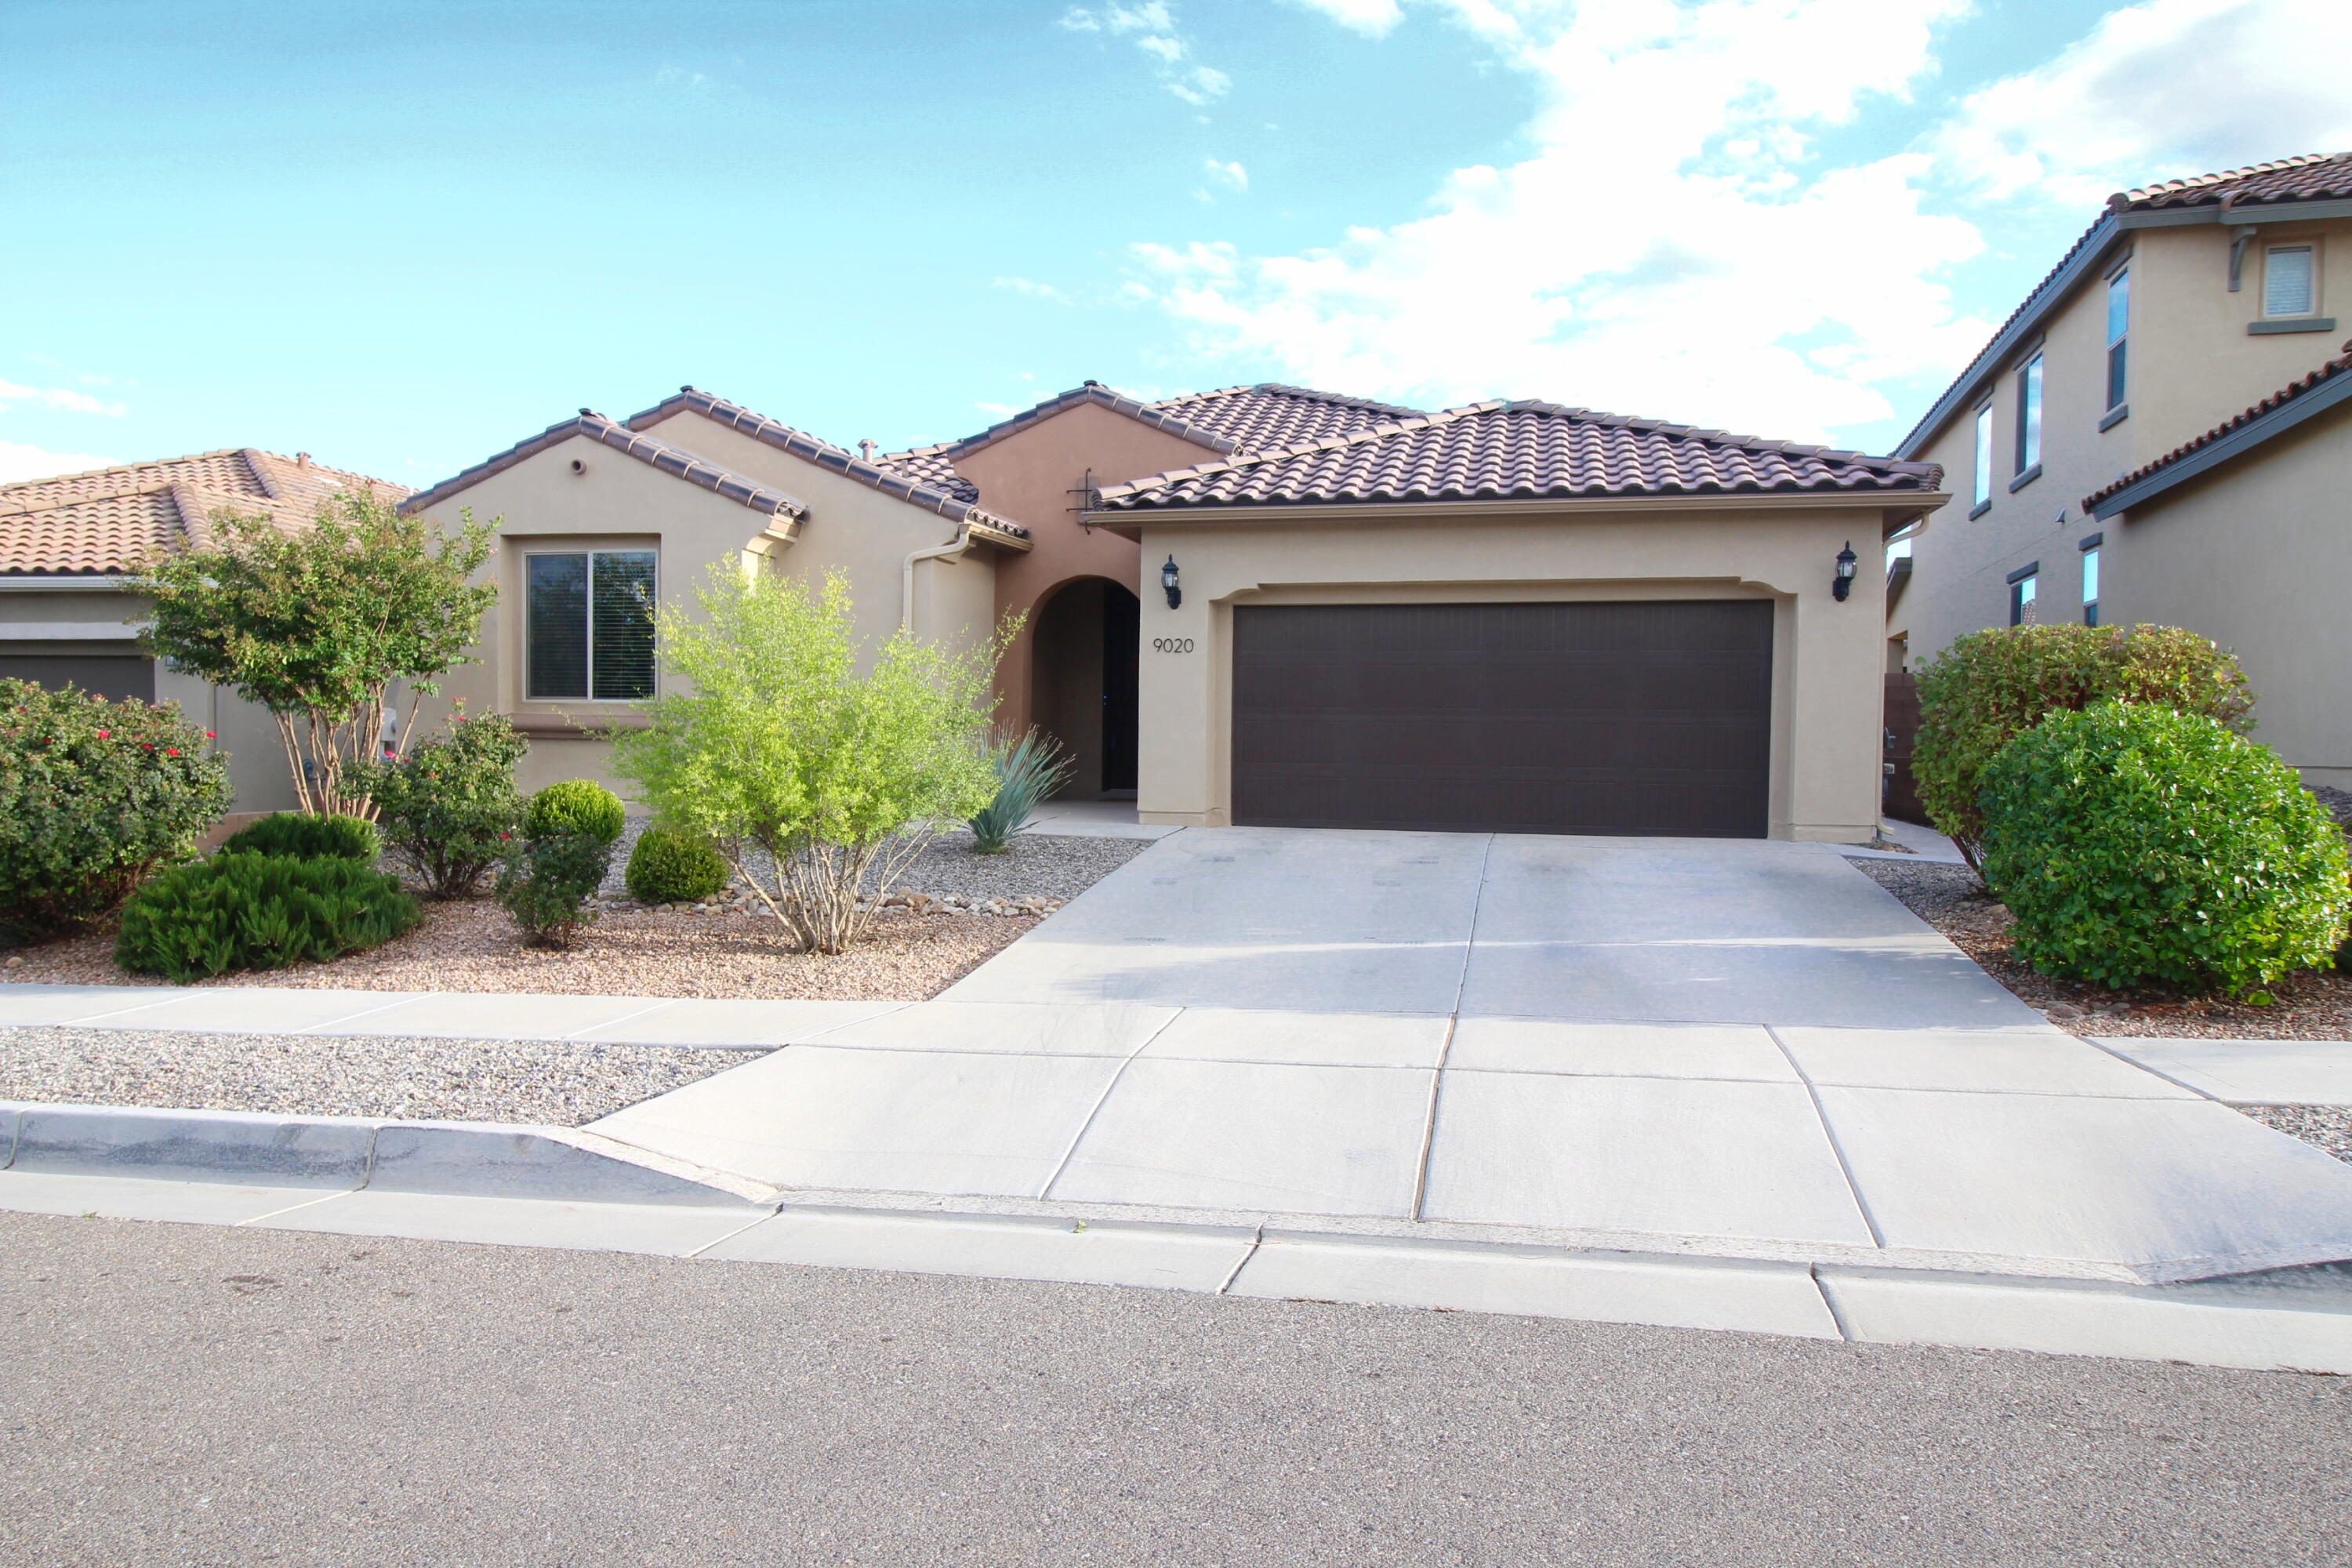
x: 1594, y: 718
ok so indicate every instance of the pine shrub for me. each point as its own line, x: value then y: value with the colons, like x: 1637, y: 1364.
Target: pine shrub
x: 2134, y: 843
x: 668, y: 868
x: 574, y: 806
x: 301, y: 836
x: 94, y: 795
x: 546, y: 886
x: 240, y: 910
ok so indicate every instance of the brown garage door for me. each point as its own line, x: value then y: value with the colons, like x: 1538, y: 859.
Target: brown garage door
x: 1620, y: 717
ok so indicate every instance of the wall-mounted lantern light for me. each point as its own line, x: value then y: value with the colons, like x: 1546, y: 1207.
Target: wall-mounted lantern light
x: 1842, y: 583
x: 1176, y: 595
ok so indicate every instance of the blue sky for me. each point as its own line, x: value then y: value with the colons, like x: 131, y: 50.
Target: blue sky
x: 402, y: 235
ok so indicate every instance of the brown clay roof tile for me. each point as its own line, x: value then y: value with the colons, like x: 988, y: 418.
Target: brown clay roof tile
x: 1269, y: 415
x: 648, y: 449
x: 2300, y: 387
x: 2309, y: 177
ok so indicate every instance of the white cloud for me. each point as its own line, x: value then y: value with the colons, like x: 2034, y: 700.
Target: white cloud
x: 2158, y: 92
x: 1373, y: 19
x: 19, y: 461
x: 1028, y: 287
x: 1232, y: 174
x: 59, y: 398
x: 1668, y: 250
x: 1151, y: 25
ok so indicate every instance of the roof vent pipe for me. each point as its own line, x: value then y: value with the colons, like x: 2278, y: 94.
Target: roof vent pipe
x: 868, y: 449
x: 301, y: 459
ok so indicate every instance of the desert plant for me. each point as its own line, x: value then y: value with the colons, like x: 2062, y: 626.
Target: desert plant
x: 574, y: 806
x: 258, y: 911
x: 316, y: 623
x: 2135, y: 843
x: 94, y: 795
x: 546, y: 886
x: 777, y: 737
x: 1989, y: 685
x: 1027, y: 771
x: 450, y: 808
x: 668, y: 868
x: 303, y: 837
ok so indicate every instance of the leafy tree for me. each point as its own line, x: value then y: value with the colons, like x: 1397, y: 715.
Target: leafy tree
x: 1992, y: 685
x: 781, y: 745
x: 450, y: 807
x: 314, y: 624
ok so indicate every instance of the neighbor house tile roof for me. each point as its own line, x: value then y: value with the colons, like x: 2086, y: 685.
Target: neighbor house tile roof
x: 115, y: 520
x: 1517, y: 451
x: 1096, y: 393
x: 648, y: 449
x: 950, y: 500
x: 2328, y: 378
x: 933, y: 467
x: 2311, y: 177
x: 2314, y: 176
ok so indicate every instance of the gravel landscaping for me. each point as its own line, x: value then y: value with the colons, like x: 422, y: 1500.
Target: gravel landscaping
x: 1034, y: 864
x: 549, y: 1082
x: 2328, y: 1127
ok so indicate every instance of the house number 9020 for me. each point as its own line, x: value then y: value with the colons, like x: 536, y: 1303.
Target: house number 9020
x: 1172, y: 645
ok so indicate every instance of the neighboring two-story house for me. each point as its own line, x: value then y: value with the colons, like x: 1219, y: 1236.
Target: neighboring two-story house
x: 2146, y: 440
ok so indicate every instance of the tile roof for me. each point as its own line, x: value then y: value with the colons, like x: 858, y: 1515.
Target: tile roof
x: 1269, y: 415
x: 2287, y: 395
x: 648, y: 449
x: 1094, y: 392
x: 114, y: 521
x: 933, y: 467
x: 911, y: 485
x: 2310, y: 177
x: 1502, y: 450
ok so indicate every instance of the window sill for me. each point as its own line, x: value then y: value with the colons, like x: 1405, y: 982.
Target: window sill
x: 1979, y: 509
x: 2025, y: 479
x: 2115, y: 416
x: 2291, y: 325
x: 588, y: 726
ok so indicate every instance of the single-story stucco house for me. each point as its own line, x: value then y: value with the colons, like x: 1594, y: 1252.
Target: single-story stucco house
x: 1266, y: 605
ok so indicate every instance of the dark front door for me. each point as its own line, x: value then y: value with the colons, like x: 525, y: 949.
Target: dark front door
x: 1613, y: 718
x: 1122, y: 625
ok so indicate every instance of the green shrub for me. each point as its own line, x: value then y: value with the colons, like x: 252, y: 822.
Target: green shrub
x: 298, y: 836
x: 2134, y: 843
x: 574, y: 806
x: 547, y: 884
x: 242, y: 911
x: 1027, y: 771
x: 1991, y: 685
x: 94, y: 795
x: 450, y: 808
x: 668, y: 868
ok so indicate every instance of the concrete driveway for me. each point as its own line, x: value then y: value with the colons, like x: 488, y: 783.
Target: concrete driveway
x: 1683, y: 1046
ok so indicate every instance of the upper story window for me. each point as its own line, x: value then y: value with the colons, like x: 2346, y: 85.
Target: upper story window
x: 2022, y: 595
x: 2118, y: 331
x: 2291, y: 281
x: 2091, y: 587
x: 1984, y: 459
x: 588, y: 625
x: 2029, y: 415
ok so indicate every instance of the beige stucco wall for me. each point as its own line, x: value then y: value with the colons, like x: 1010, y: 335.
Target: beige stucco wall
x: 1032, y: 477
x: 2192, y: 365
x: 1827, y: 656
x: 2256, y: 554
x: 619, y: 502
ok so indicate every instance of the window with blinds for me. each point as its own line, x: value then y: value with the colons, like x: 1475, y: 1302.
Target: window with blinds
x: 589, y: 630
x: 2290, y: 281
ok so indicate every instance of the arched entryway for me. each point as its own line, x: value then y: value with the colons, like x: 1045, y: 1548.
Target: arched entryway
x: 1082, y: 683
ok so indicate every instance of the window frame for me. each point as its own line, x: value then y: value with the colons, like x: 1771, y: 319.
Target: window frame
x: 1983, y: 498
x: 2119, y: 362
x: 2031, y: 387
x: 588, y: 627
x: 2023, y: 594
x: 2090, y: 584
x: 2308, y: 248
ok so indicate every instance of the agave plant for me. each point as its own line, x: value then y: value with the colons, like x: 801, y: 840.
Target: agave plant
x: 1027, y: 771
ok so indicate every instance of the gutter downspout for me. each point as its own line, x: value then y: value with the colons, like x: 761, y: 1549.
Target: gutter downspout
x: 953, y: 550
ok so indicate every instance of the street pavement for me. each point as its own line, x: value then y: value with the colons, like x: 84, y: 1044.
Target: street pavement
x: 199, y: 1395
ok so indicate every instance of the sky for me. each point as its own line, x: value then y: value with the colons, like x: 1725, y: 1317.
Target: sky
x: 403, y: 236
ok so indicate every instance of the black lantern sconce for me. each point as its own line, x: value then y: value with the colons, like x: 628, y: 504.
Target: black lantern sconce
x: 1176, y: 595
x: 1842, y: 583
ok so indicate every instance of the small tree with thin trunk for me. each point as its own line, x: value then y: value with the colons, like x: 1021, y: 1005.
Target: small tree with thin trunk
x: 783, y: 745
x: 314, y: 624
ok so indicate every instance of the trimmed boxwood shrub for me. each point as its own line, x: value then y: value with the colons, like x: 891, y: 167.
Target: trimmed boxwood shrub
x: 302, y: 835
x: 1991, y: 685
x: 668, y: 868
x: 450, y: 807
x: 574, y: 806
x: 94, y: 795
x: 2134, y: 843
x: 546, y: 887
x: 258, y: 911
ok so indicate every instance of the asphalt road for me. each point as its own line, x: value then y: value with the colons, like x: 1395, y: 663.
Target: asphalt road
x: 190, y: 1394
